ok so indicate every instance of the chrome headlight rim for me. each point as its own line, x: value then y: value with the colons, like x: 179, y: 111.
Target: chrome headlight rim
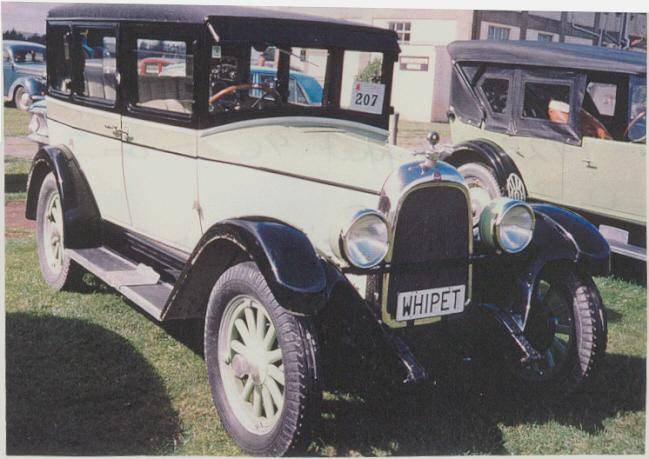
x: 344, y: 242
x: 497, y: 211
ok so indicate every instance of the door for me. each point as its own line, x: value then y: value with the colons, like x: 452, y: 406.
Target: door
x: 607, y: 173
x: 159, y: 152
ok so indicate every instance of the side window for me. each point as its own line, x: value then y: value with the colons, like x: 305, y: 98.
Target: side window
x: 60, y: 63
x: 165, y: 75
x: 496, y: 91
x: 547, y: 101
x: 312, y: 64
x: 98, y: 64
x: 603, y: 97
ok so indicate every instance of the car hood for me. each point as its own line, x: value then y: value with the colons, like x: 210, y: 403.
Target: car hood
x: 31, y: 69
x: 336, y: 153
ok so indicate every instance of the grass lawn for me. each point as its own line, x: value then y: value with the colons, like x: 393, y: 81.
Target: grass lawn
x: 15, y: 122
x: 87, y: 373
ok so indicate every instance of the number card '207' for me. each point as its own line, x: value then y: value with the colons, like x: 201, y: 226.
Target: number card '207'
x: 368, y: 97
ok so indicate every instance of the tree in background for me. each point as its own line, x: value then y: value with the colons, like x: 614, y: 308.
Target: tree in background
x: 13, y: 34
x: 371, y: 73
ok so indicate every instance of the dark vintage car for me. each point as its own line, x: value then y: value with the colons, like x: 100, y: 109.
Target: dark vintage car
x: 295, y: 231
x: 554, y: 122
x: 23, y: 67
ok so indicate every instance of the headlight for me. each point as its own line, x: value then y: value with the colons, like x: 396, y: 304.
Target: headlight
x: 507, y: 224
x: 363, y: 239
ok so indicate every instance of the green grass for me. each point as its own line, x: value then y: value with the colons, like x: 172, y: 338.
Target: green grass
x: 15, y: 122
x: 87, y: 373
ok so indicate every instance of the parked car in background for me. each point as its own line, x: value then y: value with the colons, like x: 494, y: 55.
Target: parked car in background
x: 23, y: 66
x: 294, y: 230
x: 559, y: 123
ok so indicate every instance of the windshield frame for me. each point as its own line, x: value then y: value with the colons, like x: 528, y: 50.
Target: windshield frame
x: 331, y: 89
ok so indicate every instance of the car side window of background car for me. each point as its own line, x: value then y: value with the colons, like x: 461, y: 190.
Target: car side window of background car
x: 496, y: 92
x: 636, y: 130
x: 98, y: 64
x: 59, y: 71
x: 164, y: 75
x: 547, y: 101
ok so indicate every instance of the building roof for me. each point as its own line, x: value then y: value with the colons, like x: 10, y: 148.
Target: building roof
x: 558, y: 55
x: 242, y: 23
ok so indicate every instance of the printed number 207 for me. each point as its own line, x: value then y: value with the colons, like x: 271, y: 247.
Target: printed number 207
x: 365, y: 99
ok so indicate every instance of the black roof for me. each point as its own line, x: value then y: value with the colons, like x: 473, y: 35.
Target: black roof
x: 236, y: 23
x: 558, y: 55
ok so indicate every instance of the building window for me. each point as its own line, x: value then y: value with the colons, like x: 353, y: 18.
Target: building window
x: 498, y: 33
x: 402, y: 29
x: 547, y: 37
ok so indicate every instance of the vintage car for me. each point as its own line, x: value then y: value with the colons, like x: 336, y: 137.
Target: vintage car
x: 290, y: 228
x: 559, y: 123
x: 23, y: 70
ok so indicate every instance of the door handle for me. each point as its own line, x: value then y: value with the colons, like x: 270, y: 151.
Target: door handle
x: 119, y: 133
x: 589, y: 163
x: 518, y: 152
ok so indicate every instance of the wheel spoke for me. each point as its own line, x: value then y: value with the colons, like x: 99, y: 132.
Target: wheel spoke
x: 270, y: 337
x: 250, y: 321
x: 275, y: 393
x: 256, y: 402
x: 238, y: 347
x: 261, y: 324
x: 247, y: 389
x: 276, y: 374
x: 274, y: 356
x: 243, y: 331
x: 549, y: 358
x: 563, y: 329
x: 268, y: 402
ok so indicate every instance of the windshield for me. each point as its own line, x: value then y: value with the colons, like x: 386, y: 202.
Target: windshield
x: 637, y: 127
x: 273, y: 77
x: 28, y: 55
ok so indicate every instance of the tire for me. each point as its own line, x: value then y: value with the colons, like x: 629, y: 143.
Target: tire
x: 18, y: 99
x: 565, y: 303
x: 482, y: 184
x: 58, y: 270
x: 242, y: 291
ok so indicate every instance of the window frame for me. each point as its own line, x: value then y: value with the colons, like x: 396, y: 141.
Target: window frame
x: 77, y: 79
x: 190, y: 34
x: 499, y: 122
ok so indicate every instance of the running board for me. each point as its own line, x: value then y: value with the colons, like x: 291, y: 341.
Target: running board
x: 628, y: 250
x: 139, y: 283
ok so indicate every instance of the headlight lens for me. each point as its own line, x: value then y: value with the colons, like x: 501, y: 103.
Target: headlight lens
x: 364, y: 240
x: 507, y: 224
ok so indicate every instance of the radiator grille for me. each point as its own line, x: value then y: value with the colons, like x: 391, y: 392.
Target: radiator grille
x: 432, y: 225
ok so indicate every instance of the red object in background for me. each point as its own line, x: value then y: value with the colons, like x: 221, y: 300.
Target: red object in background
x: 153, y: 63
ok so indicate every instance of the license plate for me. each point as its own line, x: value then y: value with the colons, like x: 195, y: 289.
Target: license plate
x: 429, y: 303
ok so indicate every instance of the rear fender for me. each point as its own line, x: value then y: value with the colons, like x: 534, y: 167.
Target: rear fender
x: 81, y: 218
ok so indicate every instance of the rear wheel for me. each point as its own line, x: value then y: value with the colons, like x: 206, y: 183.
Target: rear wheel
x: 58, y: 270
x: 261, y: 363
x: 567, y: 325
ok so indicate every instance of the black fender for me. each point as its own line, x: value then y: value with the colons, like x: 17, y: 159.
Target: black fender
x: 81, y: 218
x: 487, y: 152
x: 298, y: 278
x: 560, y: 237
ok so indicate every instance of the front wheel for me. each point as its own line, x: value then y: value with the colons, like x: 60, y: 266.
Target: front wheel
x: 261, y: 363
x: 19, y: 100
x: 567, y: 325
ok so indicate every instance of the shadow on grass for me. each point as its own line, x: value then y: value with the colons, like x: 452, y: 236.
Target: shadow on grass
x: 628, y: 269
x: 464, y: 410
x: 76, y: 388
